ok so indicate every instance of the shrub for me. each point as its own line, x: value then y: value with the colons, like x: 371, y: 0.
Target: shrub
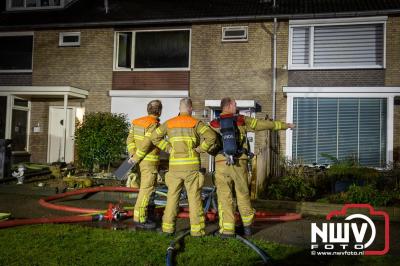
x: 349, y: 169
x: 363, y: 194
x: 391, y: 177
x: 100, y: 139
x: 291, y: 188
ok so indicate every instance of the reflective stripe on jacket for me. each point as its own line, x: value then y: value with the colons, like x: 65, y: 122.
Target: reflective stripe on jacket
x: 141, y: 129
x: 184, y: 134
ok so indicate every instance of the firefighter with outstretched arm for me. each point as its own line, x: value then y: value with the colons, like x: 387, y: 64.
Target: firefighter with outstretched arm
x: 231, y: 171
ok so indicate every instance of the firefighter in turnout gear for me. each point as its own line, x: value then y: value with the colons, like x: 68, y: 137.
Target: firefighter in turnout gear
x: 184, y: 146
x: 141, y: 130
x: 231, y: 171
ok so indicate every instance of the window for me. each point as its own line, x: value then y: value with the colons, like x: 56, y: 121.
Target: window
x: 169, y: 49
x: 16, y: 53
x: 340, y: 127
x: 235, y: 34
x: 124, y: 49
x: 300, y: 46
x: 3, y: 116
x: 20, y: 124
x: 17, y: 3
x: 35, y: 4
x: 337, y: 45
x: 69, y: 39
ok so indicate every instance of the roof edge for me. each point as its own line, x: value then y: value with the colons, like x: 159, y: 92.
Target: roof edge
x: 204, y: 20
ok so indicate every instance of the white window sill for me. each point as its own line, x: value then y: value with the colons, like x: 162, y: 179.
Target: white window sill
x: 149, y: 69
x: 16, y: 71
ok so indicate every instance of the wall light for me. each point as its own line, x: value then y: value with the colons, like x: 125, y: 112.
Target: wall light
x: 80, y: 112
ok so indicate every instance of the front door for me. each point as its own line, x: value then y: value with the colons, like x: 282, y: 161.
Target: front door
x: 56, y: 135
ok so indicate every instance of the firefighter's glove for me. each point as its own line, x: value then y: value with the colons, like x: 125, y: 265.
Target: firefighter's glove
x: 290, y: 125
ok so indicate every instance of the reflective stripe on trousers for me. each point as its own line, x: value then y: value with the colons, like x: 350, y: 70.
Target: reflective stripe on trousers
x: 175, y: 181
x: 148, y: 175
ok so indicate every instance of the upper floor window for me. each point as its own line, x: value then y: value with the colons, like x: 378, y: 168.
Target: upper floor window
x: 69, y: 39
x: 337, y: 44
x: 235, y: 34
x: 35, y: 4
x: 16, y: 53
x: 155, y: 50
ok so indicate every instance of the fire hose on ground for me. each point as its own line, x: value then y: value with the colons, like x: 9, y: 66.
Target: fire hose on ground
x: 65, y: 219
x: 114, y: 212
x: 211, y: 215
x: 171, y: 248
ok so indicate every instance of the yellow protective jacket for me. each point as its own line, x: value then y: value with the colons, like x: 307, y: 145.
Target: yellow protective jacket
x: 184, y: 134
x: 245, y: 124
x: 141, y: 129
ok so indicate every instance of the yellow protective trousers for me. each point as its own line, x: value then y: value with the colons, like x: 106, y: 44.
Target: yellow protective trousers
x: 227, y: 178
x: 193, y: 182
x: 148, y: 176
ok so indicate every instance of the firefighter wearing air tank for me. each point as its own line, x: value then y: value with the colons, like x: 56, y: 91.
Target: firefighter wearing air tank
x: 184, y: 146
x: 231, y: 170
x: 141, y: 130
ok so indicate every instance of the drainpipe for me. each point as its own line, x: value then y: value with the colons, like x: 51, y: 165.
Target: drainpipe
x: 274, y: 136
x: 274, y: 66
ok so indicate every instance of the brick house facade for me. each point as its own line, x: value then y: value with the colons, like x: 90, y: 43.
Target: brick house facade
x: 242, y: 70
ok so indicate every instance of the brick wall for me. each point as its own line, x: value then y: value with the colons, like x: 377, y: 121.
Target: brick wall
x: 150, y: 80
x: 392, y: 74
x: 38, y: 141
x: 15, y: 79
x: 87, y: 67
x: 241, y: 70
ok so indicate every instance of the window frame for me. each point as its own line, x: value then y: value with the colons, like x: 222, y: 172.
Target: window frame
x: 225, y: 28
x: 311, y: 23
x: 61, y: 36
x: 10, y: 8
x: 16, y: 34
x: 344, y: 92
x: 9, y: 117
x: 116, y: 52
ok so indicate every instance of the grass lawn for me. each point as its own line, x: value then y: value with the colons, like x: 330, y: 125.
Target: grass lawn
x: 78, y: 245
